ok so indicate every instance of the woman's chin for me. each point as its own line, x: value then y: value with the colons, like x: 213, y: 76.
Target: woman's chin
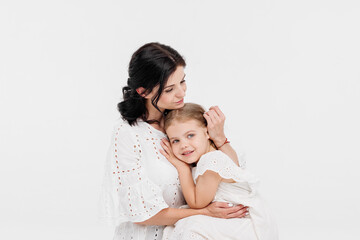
x: 179, y: 105
x: 176, y: 106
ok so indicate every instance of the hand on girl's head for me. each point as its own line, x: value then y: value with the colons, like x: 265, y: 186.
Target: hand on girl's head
x: 215, y: 119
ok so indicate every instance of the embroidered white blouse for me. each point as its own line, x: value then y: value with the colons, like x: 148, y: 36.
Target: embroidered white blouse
x: 138, y: 182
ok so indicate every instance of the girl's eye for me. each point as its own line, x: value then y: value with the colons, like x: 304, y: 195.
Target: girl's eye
x: 168, y: 90
x: 183, y: 81
x: 175, y: 141
x: 190, y: 135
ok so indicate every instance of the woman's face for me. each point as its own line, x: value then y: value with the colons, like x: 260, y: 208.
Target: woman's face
x: 173, y: 93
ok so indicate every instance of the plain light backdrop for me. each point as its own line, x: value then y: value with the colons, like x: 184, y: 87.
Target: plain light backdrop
x: 285, y: 73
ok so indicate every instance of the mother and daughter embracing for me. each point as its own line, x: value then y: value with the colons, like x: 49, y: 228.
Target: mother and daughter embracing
x: 170, y: 172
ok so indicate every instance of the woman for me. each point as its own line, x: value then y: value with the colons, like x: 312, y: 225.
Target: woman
x: 141, y: 191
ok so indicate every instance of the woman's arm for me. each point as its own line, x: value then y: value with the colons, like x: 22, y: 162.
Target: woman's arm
x: 216, y: 120
x: 169, y: 216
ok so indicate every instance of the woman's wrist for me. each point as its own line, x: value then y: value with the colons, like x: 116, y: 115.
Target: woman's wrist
x: 222, y: 143
x: 204, y: 211
x: 218, y: 140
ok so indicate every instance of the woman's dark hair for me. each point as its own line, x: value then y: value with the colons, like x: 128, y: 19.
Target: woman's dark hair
x: 150, y: 66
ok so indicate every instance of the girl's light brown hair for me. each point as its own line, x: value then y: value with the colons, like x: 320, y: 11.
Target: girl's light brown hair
x: 190, y: 111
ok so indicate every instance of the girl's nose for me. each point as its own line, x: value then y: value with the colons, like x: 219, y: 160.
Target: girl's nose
x: 184, y: 145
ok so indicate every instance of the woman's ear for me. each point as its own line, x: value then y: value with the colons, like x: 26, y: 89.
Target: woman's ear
x: 141, y: 91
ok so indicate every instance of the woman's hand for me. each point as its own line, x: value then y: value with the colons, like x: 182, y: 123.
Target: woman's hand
x: 226, y: 210
x: 168, y: 153
x: 215, y: 120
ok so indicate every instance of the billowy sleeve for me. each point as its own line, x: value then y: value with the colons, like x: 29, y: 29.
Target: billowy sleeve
x: 220, y: 163
x: 127, y: 193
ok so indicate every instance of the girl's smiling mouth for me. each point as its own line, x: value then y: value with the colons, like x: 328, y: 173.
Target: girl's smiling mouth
x: 187, y: 153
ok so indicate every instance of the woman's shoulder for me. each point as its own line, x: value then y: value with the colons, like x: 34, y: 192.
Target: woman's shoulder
x: 123, y: 126
x: 140, y: 129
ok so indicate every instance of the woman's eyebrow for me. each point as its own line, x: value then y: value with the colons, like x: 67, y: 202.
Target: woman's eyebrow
x: 174, y: 84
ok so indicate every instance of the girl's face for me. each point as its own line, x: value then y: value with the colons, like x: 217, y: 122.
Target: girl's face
x: 173, y: 94
x: 189, y: 140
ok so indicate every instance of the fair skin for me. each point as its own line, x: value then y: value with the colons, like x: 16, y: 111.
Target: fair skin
x: 172, y: 97
x: 189, y: 140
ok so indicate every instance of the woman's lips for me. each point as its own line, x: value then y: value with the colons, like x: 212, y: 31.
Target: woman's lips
x: 181, y: 101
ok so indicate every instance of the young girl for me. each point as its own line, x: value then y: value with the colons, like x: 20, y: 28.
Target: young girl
x: 217, y: 178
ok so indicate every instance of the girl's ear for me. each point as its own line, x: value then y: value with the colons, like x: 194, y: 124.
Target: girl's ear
x: 207, y: 134
x: 141, y: 91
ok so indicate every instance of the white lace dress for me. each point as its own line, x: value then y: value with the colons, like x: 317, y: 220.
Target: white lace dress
x: 138, y: 183
x: 259, y: 225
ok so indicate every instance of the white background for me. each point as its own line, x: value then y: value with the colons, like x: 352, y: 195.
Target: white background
x: 285, y: 73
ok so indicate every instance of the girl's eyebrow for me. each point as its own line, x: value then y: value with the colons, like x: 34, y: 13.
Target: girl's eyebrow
x: 174, y: 84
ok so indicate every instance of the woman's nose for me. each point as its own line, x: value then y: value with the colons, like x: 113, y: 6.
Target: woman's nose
x: 180, y: 93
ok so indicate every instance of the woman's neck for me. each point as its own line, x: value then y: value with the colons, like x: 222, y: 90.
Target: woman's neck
x: 155, y: 115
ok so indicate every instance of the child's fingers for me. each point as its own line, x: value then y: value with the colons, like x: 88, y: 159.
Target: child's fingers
x: 164, y: 153
x: 166, y: 142
x: 165, y: 145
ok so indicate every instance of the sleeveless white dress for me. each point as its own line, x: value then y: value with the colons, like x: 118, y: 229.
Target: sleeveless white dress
x: 259, y: 225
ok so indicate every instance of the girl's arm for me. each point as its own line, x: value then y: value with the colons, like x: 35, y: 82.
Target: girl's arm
x: 199, y: 195
x: 216, y: 119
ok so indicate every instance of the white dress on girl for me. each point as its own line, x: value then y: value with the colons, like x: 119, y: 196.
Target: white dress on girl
x: 139, y: 182
x: 259, y: 225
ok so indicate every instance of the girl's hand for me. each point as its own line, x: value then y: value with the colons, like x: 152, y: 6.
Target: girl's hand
x: 224, y: 210
x: 215, y: 120
x: 168, y: 153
